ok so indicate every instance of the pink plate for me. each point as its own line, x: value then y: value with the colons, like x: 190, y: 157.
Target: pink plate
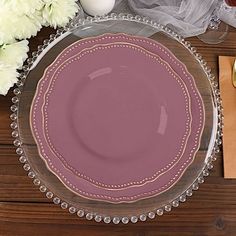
x: 120, y: 115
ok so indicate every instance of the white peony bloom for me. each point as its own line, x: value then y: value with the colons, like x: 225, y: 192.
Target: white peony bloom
x: 7, y: 28
x: 14, y: 26
x: 59, y: 12
x: 14, y: 54
x: 23, y: 6
x: 27, y: 25
x: 8, y: 77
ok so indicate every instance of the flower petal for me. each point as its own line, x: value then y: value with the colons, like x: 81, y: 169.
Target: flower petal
x: 14, y: 54
x: 29, y: 25
x: 19, y: 26
x: 23, y: 6
x: 8, y: 77
x: 59, y: 12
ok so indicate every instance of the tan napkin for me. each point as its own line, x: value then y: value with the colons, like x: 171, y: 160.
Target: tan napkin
x: 228, y: 94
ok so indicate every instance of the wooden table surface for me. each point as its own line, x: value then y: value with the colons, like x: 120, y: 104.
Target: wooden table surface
x: 25, y: 211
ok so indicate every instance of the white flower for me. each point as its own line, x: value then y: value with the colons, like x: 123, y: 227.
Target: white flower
x: 59, y: 12
x: 28, y: 25
x: 8, y: 77
x: 14, y: 54
x: 14, y: 26
x: 23, y: 6
x: 7, y: 28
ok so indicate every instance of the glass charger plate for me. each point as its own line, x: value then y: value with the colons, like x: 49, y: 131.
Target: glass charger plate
x: 50, y: 185
x: 123, y: 120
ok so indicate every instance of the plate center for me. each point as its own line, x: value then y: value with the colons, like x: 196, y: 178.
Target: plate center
x: 116, y: 114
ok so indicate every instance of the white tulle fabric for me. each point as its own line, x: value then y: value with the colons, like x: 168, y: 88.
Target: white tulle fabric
x: 187, y: 17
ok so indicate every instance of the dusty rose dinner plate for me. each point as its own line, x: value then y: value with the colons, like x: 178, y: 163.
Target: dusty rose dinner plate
x: 122, y: 129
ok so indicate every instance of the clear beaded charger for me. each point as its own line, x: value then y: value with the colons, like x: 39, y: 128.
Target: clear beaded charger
x: 103, y: 211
